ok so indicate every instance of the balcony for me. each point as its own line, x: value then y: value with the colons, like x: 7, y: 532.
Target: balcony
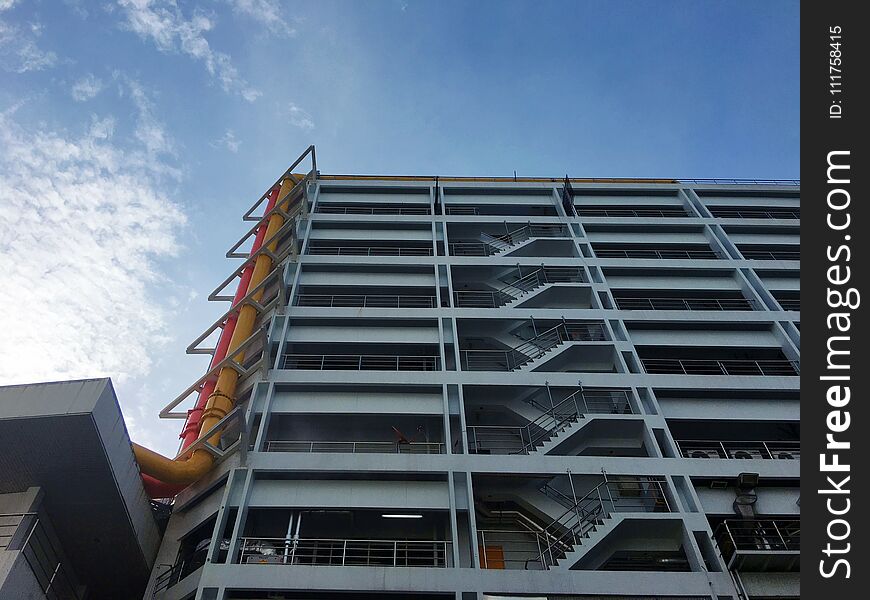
x: 762, y: 368
x: 693, y: 303
x: 632, y: 211
x: 760, y: 544
x: 360, y: 362
x: 354, y: 433
x: 335, y: 208
x: 735, y: 450
x: 347, y: 538
x: 344, y: 553
x: 687, y: 252
x: 347, y: 248
x: 723, y: 212
x: 769, y: 252
x: 366, y: 300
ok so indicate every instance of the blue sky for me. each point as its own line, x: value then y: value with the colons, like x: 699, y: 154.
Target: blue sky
x: 133, y: 133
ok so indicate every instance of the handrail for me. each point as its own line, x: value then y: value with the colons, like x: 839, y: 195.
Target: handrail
x: 521, y: 286
x: 679, y: 366
x: 677, y: 212
x: 354, y: 447
x: 778, y: 450
x: 365, y: 301
x: 490, y: 245
x: 345, y: 552
x: 360, y: 362
x: 674, y: 303
x: 722, y: 212
x: 658, y: 254
x: 314, y: 250
x: 757, y: 536
x: 524, y: 439
x: 771, y: 254
x: 327, y: 209
x: 531, y: 349
x: 732, y: 181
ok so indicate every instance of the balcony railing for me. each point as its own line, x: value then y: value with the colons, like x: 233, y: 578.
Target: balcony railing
x: 789, y: 304
x: 720, y: 304
x: 460, y: 210
x: 755, y: 213
x: 657, y: 254
x: 740, y: 450
x: 355, y: 447
x: 675, y: 366
x: 359, y: 362
x: 759, y: 544
x: 631, y: 212
x: 346, y: 553
x: 25, y: 533
x: 771, y: 254
x: 326, y: 209
x: 365, y: 301
x: 529, y: 350
x: 518, y: 287
x: 369, y: 251
x: 524, y: 439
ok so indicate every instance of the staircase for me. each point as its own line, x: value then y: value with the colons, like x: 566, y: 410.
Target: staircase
x: 552, y: 425
x: 494, y: 245
x: 532, y: 349
x: 588, y: 520
x: 518, y: 290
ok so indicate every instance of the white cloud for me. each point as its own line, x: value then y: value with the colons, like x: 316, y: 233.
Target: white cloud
x: 162, y: 22
x: 83, y: 219
x: 265, y: 12
x: 19, y: 52
x: 149, y: 130
x: 228, y: 141
x: 7, y: 4
x: 86, y: 88
x: 298, y: 117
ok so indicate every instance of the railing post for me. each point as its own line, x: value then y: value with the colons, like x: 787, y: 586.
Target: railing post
x: 344, y: 553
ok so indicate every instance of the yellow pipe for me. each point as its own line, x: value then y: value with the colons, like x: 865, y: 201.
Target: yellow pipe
x: 222, y: 400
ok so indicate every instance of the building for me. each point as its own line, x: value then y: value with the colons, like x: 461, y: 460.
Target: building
x: 75, y: 523
x: 492, y: 387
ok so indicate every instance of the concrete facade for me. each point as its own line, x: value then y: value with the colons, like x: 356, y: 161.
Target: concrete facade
x: 502, y: 388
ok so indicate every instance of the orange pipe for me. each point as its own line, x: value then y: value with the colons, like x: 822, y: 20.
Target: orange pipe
x: 222, y: 399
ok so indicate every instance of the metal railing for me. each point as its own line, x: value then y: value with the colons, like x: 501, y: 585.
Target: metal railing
x: 631, y: 212
x: 460, y: 210
x: 529, y: 350
x: 326, y: 209
x: 339, y: 552
x: 789, y: 304
x: 755, y: 213
x: 490, y: 245
x: 359, y: 362
x: 579, y: 521
x: 554, y: 419
x: 519, y: 287
x: 627, y: 303
x: 365, y: 301
x: 733, y: 181
x: 658, y: 254
x: 25, y: 533
x: 354, y: 447
x: 757, y: 536
x: 675, y: 366
x: 771, y: 254
x: 740, y: 450
x: 369, y: 251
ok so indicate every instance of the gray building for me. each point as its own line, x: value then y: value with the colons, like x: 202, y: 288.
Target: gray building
x: 75, y: 523
x: 501, y: 388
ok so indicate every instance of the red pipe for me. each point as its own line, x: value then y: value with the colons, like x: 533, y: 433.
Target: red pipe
x: 189, y: 433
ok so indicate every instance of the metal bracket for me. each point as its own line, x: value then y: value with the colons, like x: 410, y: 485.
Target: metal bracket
x: 236, y: 415
x: 312, y: 174
x: 231, y: 362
